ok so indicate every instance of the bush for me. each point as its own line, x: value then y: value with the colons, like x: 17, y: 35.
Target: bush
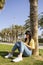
x: 40, y: 40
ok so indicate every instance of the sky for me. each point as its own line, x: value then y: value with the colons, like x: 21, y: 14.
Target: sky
x: 16, y: 12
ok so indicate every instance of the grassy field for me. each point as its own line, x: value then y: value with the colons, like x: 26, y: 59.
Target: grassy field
x: 4, y: 49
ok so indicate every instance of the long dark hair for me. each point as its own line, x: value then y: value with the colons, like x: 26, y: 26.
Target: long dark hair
x: 30, y: 36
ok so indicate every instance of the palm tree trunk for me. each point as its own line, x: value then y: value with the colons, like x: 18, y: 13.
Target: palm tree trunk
x: 34, y: 23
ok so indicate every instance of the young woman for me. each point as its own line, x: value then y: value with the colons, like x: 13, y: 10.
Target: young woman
x: 25, y: 48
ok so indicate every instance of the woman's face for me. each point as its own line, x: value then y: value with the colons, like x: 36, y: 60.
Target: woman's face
x: 27, y: 36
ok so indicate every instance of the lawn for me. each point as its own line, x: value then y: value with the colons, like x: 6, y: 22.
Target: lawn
x: 4, y: 49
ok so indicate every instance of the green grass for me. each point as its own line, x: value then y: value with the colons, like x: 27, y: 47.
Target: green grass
x: 4, y: 49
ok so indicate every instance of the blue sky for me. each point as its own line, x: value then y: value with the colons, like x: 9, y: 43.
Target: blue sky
x: 16, y: 12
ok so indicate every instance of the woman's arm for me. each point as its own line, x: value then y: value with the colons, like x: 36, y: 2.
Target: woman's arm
x: 28, y: 46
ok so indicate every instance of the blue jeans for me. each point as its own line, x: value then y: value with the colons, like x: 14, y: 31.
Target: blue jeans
x: 22, y: 48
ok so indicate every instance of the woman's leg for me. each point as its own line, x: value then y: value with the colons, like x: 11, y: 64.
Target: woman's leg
x: 16, y: 46
x: 19, y: 46
x: 24, y: 50
x: 21, y: 49
x: 27, y: 52
x: 13, y: 49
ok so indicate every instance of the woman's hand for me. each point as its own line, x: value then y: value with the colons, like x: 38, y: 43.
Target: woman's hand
x: 28, y: 46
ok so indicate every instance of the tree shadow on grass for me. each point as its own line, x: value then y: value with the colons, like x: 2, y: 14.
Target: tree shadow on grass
x: 38, y: 62
x: 4, y: 53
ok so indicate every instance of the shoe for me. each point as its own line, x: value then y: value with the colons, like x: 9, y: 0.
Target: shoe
x: 9, y: 55
x: 17, y: 59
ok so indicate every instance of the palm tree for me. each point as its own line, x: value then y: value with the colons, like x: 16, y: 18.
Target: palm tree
x: 2, y: 2
x: 41, y: 22
x: 27, y: 24
x: 34, y: 23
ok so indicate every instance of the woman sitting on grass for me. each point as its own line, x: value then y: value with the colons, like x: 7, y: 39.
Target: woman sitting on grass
x: 25, y: 48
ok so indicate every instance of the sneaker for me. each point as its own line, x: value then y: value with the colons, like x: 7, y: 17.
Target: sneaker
x: 17, y: 59
x: 9, y: 55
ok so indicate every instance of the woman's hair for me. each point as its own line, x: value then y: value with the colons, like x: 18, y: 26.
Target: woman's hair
x: 30, y: 35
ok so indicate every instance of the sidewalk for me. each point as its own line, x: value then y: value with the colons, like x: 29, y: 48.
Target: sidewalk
x: 40, y: 47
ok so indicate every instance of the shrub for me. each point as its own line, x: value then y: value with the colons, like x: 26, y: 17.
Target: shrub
x: 40, y: 40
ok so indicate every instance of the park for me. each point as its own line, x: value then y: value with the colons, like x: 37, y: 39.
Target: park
x: 8, y: 36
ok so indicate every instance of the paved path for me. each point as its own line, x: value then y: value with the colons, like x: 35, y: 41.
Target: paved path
x: 40, y: 46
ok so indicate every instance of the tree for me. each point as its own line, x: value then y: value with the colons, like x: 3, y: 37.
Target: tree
x: 27, y: 24
x: 18, y: 30
x: 34, y: 23
x: 2, y: 2
x: 41, y: 21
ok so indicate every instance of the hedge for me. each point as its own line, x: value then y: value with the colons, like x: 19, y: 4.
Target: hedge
x: 40, y: 40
